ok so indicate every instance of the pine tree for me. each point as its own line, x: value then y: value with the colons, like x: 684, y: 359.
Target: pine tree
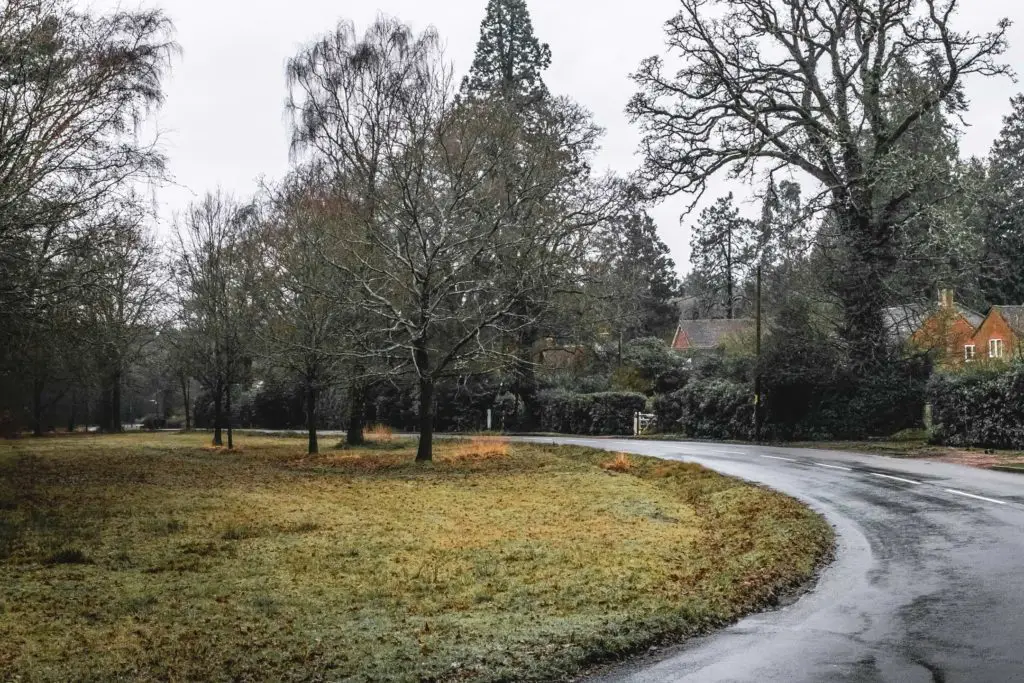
x: 509, y: 59
x: 1002, y: 278
x: 642, y: 276
x: 723, y: 248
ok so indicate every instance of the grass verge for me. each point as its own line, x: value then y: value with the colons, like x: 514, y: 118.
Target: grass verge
x: 149, y: 557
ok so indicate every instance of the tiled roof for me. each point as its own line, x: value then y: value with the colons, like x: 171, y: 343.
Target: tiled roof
x: 1014, y: 317
x: 708, y: 334
x: 901, y: 322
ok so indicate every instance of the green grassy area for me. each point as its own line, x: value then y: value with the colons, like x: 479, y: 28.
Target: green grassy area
x: 152, y: 557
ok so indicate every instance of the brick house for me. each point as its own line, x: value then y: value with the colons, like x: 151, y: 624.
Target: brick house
x: 947, y: 331
x: 999, y: 337
x: 942, y: 330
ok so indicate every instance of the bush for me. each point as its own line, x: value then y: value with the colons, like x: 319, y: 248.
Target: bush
x: 604, y: 414
x: 980, y: 407
x: 710, y: 409
x: 152, y: 423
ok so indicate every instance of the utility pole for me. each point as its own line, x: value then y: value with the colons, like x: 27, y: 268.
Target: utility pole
x: 757, y: 364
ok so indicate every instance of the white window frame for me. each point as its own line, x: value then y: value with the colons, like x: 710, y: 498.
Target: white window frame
x: 970, y: 352
x: 994, y: 346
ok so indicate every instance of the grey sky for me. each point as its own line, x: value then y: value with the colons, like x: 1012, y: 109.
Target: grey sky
x: 224, y: 121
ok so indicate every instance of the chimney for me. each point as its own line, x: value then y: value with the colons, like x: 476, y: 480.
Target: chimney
x: 946, y: 299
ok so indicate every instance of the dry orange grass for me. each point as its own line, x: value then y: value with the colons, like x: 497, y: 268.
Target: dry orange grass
x: 379, y: 434
x: 475, y: 449
x: 620, y: 463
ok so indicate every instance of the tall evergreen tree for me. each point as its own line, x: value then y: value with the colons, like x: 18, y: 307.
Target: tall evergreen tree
x: 509, y: 59
x: 723, y: 248
x: 1002, y: 278
x: 636, y: 277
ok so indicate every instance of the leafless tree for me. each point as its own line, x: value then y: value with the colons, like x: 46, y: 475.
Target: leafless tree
x: 467, y: 215
x: 306, y: 328
x: 808, y: 84
x: 75, y: 90
x: 215, y: 270
x: 122, y: 304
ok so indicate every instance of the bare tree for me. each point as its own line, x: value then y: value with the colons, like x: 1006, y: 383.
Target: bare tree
x: 808, y: 84
x: 467, y: 217
x: 306, y: 327
x: 215, y: 273
x: 75, y: 89
x: 122, y: 303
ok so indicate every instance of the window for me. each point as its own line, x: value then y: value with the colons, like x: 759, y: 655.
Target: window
x: 995, y: 348
x: 969, y: 352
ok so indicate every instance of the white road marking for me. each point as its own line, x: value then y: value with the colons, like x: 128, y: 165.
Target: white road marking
x: 834, y: 467
x: 971, y: 495
x: 776, y: 457
x: 889, y: 476
x: 734, y: 452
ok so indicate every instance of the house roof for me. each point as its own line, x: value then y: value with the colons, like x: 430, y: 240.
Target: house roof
x: 901, y: 322
x: 708, y: 333
x: 1014, y: 317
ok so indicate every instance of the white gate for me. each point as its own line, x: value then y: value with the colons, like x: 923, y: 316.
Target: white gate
x: 642, y: 423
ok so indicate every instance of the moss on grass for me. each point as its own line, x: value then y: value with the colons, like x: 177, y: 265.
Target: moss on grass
x: 495, y: 562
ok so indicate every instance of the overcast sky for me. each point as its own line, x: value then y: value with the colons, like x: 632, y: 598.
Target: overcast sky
x: 224, y: 121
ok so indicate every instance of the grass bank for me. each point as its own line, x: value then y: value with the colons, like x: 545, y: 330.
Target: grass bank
x: 151, y: 557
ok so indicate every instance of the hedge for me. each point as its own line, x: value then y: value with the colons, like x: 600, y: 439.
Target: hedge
x: 604, y: 414
x: 711, y: 409
x: 980, y: 407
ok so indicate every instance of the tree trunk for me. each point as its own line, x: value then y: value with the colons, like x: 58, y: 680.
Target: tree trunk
x: 186, y: 399
x: 218, y: 398
x: 356, y: 414
x: 72, y: 422
x: 115, y: 402
x: 37, y: 407
x: 314, y: 447
x: 861, y: 290
x: 227, y: 416
x: 425, y: 451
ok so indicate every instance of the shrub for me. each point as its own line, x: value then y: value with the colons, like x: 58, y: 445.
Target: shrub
x: 604, y: 414
x: 710, y: 409
x: 979, y: 407
x: 154, y: 422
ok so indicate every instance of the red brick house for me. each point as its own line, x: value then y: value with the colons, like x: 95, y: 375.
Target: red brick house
x: 942, y: 330
x: 947, y: 331
x: 999, y: 337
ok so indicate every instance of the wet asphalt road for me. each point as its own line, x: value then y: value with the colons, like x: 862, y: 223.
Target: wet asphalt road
x: 927, y: 585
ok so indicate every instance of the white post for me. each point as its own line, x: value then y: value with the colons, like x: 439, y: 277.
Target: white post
x: 488, y: 419
x: 636, y: 424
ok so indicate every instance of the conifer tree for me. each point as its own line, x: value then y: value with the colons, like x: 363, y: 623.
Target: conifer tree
x: 509, y: 59
x: 1002, y: 278
x: 723, y: 248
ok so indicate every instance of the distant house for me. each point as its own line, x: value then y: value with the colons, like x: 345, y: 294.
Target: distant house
x: 704, y: 335
x: 944, y: 330
x: 999, y: 337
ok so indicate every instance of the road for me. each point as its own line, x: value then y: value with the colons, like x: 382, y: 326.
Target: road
x: 927, y: 585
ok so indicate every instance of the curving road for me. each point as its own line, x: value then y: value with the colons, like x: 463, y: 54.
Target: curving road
x: 927, y: 585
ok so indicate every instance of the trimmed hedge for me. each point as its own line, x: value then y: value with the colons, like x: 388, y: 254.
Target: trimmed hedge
x: 982, y: 407
x: 604, y: 414
x: 712, y: 409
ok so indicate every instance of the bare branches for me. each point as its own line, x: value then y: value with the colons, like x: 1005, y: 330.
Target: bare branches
x: 796, y: 82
